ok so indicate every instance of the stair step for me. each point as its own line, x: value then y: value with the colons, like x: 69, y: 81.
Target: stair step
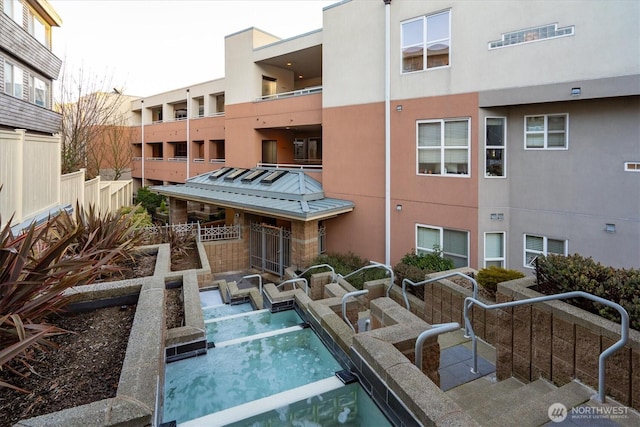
x: 534, y: 412
x: 478, y: 392
x: 497, y: 404
x: 224, y: 291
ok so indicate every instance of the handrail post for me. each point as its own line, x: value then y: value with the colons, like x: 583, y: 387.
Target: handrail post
x: 624, y: 326
x: 437, y: 329
x: 344, y: 305
x: 435, y: 279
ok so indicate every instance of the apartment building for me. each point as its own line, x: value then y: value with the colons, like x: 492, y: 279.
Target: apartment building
x: 29, y: 144
x: 495, y: 131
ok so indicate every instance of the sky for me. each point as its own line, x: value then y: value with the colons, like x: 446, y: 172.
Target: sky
x: 146, y: 47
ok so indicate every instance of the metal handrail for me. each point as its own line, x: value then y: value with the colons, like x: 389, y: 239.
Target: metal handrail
x: 372, y: 264
x: 437, y: 329
x: 294, y: 281
x: 251, y: 276
x: 624, y: 327
x: 344, y: 305
x: 435, y: 279
x: 333, y: 272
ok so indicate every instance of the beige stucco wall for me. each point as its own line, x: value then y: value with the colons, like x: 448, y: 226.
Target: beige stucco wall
x: 473, y: 67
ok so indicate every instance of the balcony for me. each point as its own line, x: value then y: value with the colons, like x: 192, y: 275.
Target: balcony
x: 299, y: 92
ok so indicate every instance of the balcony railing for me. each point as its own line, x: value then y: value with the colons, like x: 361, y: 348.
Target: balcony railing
x: 299, y: 92
x: 308, y: 167
x: 177, y: 159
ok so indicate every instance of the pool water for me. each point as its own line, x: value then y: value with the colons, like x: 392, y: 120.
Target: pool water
x: 343, y: 406
x: 248, y: 324
x: 222, y: 310
x: 243, y: 372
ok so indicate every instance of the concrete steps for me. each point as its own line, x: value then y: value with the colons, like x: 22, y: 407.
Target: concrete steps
x: 498, y: 404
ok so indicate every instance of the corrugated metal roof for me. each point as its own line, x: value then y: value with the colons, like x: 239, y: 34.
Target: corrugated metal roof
x: 293, y: 194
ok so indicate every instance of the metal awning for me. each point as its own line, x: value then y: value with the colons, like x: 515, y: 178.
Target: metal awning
x: 289, y: 194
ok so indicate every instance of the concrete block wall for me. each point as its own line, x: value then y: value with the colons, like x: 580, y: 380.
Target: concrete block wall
x: 227, y: 255
x: 560, y: 342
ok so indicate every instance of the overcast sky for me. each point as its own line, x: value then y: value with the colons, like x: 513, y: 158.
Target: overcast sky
x: 149, y: 46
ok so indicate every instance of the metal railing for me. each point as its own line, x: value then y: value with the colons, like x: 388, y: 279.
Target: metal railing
x: 290, y: 166
x: 435, y: 279
x: 296, y: 280
x: 344, y: 305
x: 252, y: 276
x: 313, y: 267
x: 372, y: 264
x: 299, y: 92
x: 624, y: 327
x: 437, y: 329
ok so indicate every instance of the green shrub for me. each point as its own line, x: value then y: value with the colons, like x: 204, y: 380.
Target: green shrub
x: 559, y: 274
x: 415, y: 267
x: 489, y: 277
x: 345, y: 264
x: 430, y: 262
x: 148, y: 199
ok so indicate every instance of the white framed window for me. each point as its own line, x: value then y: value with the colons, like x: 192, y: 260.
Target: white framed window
x: 443, y: 147
x: 632, y: 166
x: 425, y: 42
x: 14, y: 9
x: 495, y: 147
x: 38, y: 92
x: 494, y: 249
x: 534, y: 34
x: 535, y: 246
x: 13, y: 80
x: 454, y: 244
x: 546, y: 132
x: 38, y: 28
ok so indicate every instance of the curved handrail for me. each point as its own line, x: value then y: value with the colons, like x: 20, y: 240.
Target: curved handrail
x: 437, y: 329
x: 333, y: 272
x: 624, y: 327
x: 344, y: 305
x: 251, y: 276
x: 294, y: 281
x: 435, y: 279
x: 372, y: 264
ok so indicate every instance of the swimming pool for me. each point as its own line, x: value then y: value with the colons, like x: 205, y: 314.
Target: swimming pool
x: 265, y: 369
x: 243, y: 372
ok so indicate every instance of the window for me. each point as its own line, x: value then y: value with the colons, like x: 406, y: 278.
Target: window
x: 307, y: 150
x: 453, y: 243
x: 531, y: 35
x: 13, y: 80
x: 38, y: 29
x: 270, y: 151
x: 495, y: 146
x: 632, y: 166
x: 38, y: 92
x: 268, y: 86
x: 547, y: 132
x: 443, y: 147
x: 425, y: 42
x: 535, y: 246
x: 494, y: 249
x: 180, y: 149
x: 14, y: 9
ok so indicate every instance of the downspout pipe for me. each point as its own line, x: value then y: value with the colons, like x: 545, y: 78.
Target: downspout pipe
x: 387, y: 130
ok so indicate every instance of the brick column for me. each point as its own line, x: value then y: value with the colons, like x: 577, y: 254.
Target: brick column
x: 177, y: 211
x: 304, y: 243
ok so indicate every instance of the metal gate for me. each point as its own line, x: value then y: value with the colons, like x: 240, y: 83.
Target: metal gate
x: 269, y: 248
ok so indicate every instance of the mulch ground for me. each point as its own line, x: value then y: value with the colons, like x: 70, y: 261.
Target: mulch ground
x: 84, y: 368
x: 86, y: 365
